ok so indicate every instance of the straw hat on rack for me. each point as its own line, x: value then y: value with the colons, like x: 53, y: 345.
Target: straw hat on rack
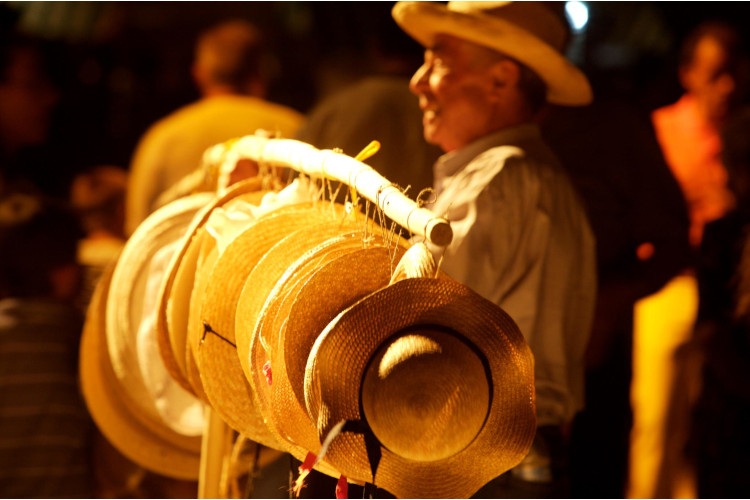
x: 125, y: 305
x: 207, y: 255
x: 359, y: 269
x: 174, y: 296
x: 217, y: 232
x: 143, y: 439
x: 436, y: 386
x: 214, y: 346
x: 529, y: 32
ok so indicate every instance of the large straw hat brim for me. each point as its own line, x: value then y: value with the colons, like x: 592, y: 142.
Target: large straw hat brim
x: 174, y: 296
x: 146, y: 442
x: 566, y: 84
x: 221, y: 373
x: 340, y: 356
x: 288, y: 260
x: 272, y: 271
x: 173, y: 301
x: 125, y: 303
x: 333, y: 288
x: 208, y: 253
x: 349, y: 272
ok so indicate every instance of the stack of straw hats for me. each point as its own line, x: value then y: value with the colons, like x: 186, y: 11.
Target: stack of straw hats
x: 312, y: 330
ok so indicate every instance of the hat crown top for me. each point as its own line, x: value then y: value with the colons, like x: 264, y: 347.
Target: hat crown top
x: 538, y: 18
x: 426, y: 395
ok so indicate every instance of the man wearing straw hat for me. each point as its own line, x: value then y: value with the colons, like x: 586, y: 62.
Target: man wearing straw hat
x: 521, y: 236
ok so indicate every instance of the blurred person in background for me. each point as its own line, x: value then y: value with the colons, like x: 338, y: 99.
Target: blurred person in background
x: 379, y: 107
x: 667, y: 355
x: 27, y: 99
x: 718, y: 436
x: 98, y: 196
x: 228, y: 71
x: 45, y: 430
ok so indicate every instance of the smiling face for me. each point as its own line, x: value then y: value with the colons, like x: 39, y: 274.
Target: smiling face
x: 456, y: 90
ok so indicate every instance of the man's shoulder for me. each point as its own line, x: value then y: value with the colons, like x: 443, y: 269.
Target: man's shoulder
x: 235, y: 108
x: 525, y: 171
x: 250, y: 106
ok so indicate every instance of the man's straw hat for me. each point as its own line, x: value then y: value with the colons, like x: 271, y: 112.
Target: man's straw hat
x: 144, y: 440
x: 436, y: 384
x: 529, y: 32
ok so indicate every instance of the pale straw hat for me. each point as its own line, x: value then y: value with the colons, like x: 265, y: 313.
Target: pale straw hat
x: 218, y: 364
x: 256, y: 320
x: 146, y: 441
x: 174, y: 296
x: 436, y: 385
x: 349, y: 270
x: 208, y: 252
x: 129, y: 280
x: 529, y: 32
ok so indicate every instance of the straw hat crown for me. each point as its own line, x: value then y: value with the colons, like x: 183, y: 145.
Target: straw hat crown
x: 530, y: 32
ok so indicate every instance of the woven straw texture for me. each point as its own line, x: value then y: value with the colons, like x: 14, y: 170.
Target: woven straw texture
x: 220, y: 370
x: 174, y: 296
x: 358, y: 272
x: 339, y: 359
x: 269, y: 321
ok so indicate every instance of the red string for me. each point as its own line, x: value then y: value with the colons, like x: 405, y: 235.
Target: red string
x: 342, y: 488
x: 304, y: 470
x: 267, y: 372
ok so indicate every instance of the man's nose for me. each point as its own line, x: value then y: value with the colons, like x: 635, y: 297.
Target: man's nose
x: 419, y: 80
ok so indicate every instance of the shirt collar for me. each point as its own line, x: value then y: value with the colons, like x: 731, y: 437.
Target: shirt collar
x: 450, y: 163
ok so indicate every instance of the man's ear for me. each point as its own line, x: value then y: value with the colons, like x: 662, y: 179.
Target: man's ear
x: 505, y: 75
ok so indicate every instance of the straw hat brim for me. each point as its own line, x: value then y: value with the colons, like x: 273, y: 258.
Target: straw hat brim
x: 208, y: 253
x: 288, y: 261
x: 347, y: 272
x: 172, y: 303
x: 339, y: 358
x: 566, y: 84
x: 148, y: 443
x: 218, y: 363
x: 125, y: 303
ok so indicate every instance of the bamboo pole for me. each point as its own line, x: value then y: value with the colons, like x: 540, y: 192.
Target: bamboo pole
x: 309, y: 160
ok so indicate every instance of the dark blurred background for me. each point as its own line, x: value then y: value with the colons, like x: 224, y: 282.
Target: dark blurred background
x: 120, y: 66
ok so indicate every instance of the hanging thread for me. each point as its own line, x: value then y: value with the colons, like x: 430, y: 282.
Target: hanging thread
x: 207, y: 329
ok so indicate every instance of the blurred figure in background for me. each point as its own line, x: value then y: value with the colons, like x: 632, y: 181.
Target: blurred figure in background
x: 379, y: 107
x: 718, y: 436
x: 98, y: 196
x: 228, y: 71
x: 665, y: 367
x: 45, y: 430
x: 689, y: 129
x: 27, y: 99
